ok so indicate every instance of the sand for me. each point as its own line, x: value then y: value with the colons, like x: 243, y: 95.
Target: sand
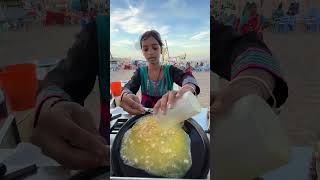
x: 298, y: 53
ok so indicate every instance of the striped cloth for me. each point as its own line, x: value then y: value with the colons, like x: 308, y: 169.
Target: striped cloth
x: 255, y: 58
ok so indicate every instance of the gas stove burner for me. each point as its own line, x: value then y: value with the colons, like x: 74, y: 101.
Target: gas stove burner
x: 117, y: 125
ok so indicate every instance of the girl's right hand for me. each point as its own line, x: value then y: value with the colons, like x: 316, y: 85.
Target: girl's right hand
x: 67, y: 133
x: 131, y: 104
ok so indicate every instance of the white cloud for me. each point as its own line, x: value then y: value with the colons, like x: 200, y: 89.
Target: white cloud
x: 136, y: 19
x: 136, y: 25
x: 174, y: 4
x: 201, y: 35
x: 185, y: 43
x: 131, y: 20
x: 121, y: 14
x: 180, y: 9
x: 191, y: 45
x: 113, y: 29
x: 123, y: 42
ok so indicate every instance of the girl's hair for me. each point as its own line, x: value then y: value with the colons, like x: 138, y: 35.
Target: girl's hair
x: 151, y: 33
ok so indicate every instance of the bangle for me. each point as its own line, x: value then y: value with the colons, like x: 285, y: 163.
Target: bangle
x: 35, y: 122
x: 57, y: 101
x: 193, y: 89
x: 123, y: 95
x: 262, y: 82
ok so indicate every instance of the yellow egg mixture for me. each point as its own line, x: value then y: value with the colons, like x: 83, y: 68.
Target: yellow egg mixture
x: 159, y: 151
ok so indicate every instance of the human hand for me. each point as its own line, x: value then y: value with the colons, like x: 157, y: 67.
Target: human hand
x: 168, y: 100
x: 131, y: 104
x: 223, y: 100
x: 67, y: 133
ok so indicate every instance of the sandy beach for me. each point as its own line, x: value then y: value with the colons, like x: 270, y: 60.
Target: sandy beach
x: 297, y: 51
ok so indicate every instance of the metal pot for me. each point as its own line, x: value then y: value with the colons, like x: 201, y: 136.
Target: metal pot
x: 199, y: 152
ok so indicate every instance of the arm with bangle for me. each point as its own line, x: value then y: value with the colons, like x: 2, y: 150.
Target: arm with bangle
x: 185, y: 79
x: 48, y: 98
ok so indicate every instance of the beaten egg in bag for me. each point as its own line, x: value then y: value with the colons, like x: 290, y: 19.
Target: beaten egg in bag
x: 159, y: 151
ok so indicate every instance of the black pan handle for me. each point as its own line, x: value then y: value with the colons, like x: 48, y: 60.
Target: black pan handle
x: 3, y: 169
x: 115, y: 117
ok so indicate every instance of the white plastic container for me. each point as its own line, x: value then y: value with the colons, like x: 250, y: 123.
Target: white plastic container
x: 248, y: 141
x: 184, y: 108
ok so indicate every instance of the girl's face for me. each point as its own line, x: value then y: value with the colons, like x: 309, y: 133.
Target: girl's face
x: 151, y: 50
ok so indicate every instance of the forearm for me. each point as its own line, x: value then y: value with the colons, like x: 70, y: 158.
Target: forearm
x: 127, y: 90
x: 133, y: 85
x: 190, y: 81
x: 256, y: 81
x: 52, y: 90
x: 46, y: 97
x: 184, y: 79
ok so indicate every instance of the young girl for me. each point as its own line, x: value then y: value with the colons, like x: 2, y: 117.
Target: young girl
x: 253, y: 22
x: 156, y: 80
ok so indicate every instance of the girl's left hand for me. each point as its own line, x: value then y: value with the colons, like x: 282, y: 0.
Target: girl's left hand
x: 167, y: 101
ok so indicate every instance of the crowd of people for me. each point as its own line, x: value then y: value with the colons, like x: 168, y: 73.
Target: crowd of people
x: 251, y: 21
x: 196, y: 66
x: 293, y: 10
x: 64, y: 12
x: 189, y: 66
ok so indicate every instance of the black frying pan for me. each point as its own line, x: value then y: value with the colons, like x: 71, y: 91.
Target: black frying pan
x: 199, y: 152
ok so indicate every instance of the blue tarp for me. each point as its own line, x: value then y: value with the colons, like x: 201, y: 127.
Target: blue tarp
x: 14, y: 13
x: 75, y: 5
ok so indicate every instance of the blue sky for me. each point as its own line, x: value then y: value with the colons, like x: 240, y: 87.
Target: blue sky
x: 185, y: 24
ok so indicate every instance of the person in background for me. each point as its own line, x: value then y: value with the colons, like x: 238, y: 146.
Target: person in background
x: 92, y: 14
x: 244, y: 17
x: 155, y: 80
x: 188, y: 68
x: 293, y: 9
x: 278, y: 13
x: 83, y: 20
x: 254, y: 22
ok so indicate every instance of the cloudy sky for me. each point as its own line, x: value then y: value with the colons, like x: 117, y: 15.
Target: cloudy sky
x: 185, y: 24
